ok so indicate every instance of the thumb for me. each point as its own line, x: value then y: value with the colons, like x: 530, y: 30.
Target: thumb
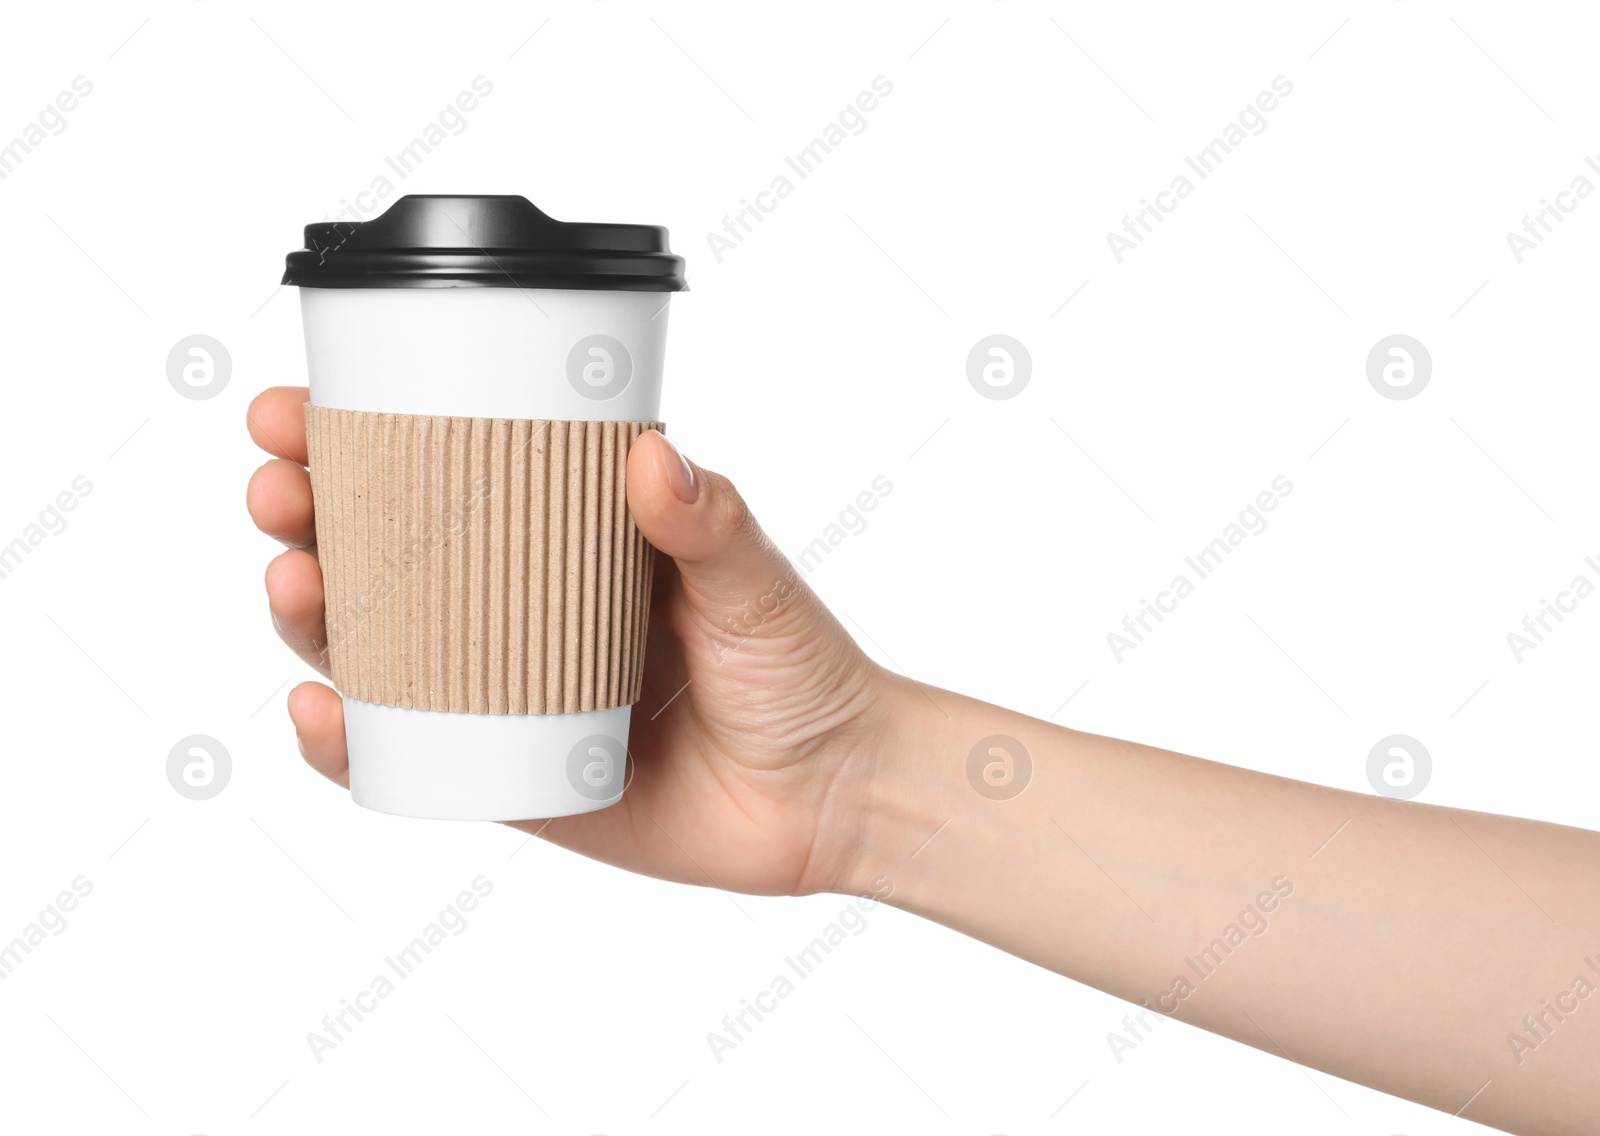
x: 729, y: 568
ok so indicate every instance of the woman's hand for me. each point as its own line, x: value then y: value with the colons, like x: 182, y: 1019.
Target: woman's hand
x: 753, y: 742
x: 1392, y: 943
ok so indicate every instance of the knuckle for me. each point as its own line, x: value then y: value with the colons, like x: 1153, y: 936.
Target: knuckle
x: 734, y: 517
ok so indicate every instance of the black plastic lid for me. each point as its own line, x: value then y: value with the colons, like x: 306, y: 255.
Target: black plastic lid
x: 487, y: 241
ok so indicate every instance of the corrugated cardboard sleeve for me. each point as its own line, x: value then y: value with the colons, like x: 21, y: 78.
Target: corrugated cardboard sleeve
x: 484, y: 565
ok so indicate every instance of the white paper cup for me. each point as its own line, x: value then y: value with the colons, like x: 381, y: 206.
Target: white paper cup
x: 485, y: 342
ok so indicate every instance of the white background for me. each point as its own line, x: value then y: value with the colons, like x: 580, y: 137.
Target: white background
x: 829, y: 348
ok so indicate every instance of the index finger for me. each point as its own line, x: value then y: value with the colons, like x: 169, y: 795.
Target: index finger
x: 277, y: 421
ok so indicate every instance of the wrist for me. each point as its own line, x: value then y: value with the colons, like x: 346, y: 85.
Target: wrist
x: 955, y: 804
x: 906, y: 788
x: 864, y: 768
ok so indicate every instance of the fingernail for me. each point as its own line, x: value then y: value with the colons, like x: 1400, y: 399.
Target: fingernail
x: 680, y: 474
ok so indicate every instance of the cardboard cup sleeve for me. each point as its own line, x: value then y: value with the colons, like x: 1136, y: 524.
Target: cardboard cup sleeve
x: 480, y: 565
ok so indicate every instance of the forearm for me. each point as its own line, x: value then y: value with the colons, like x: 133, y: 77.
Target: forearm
x: 1394, y: 944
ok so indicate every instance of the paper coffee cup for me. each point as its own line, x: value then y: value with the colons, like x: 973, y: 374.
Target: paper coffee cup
x: 478, y: 372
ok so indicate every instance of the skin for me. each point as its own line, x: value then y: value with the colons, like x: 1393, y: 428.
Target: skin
x: 1399, y: 945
